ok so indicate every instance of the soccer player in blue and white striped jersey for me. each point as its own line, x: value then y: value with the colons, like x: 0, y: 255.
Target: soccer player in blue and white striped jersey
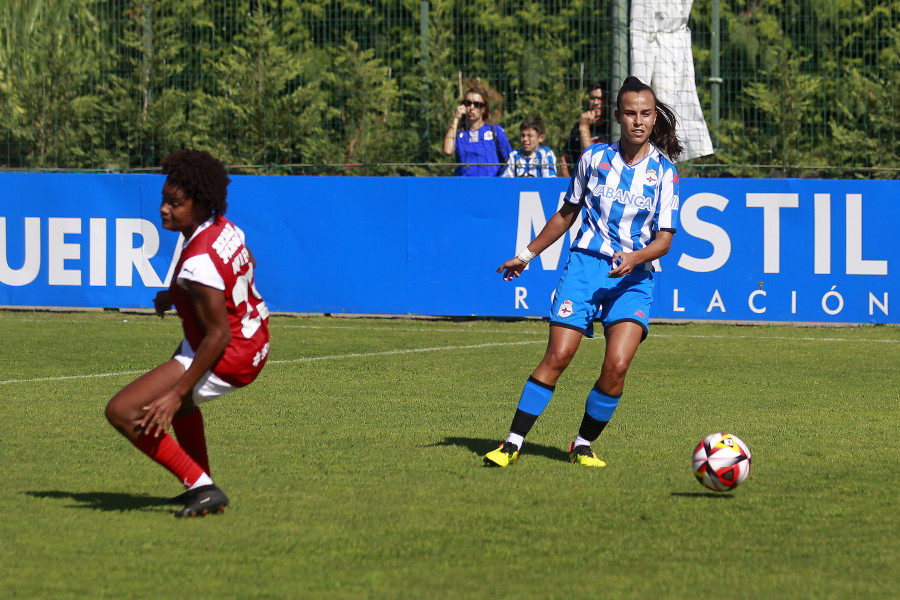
x: 533, y: 160
x: 627, y: 194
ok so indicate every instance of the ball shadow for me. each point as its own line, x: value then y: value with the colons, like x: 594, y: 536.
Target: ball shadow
x: 710, y: 494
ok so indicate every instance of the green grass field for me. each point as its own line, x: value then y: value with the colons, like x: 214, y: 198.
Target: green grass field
x: 354, y: 466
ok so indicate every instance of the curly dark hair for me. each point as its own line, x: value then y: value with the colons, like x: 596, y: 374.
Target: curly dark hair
x: 200, y: 176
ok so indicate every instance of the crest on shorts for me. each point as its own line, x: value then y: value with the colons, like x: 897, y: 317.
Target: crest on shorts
x: 565, y: 310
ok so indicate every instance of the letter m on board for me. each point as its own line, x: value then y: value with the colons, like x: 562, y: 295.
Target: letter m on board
x: 532, y: 219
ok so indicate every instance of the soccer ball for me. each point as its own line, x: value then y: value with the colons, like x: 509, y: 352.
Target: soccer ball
x: 721, y: 462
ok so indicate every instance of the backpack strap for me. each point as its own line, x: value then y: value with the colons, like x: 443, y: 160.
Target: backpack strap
x: 497, y: 145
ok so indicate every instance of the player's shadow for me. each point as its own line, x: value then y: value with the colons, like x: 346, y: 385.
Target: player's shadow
x: 482, y: 446
x: 103, y: 501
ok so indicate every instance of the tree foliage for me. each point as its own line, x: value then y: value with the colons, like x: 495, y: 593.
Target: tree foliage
x: 810, y: 87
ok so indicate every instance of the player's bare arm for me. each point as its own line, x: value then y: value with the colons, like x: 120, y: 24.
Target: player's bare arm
x: 625, y: 262
x: 564, y: 165
x: 585, y: 121
x: 450, y: 137
x: 209, y: 304
x: 162, y: 302
x: 555, y: 228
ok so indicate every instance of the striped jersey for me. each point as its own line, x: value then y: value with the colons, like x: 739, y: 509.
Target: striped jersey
x: 540, y: 164
x: 623, y: 206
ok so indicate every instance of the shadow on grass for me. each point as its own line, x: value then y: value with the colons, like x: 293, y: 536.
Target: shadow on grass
x: 482, y: 446
x: 105, y: 501
x: 703, y: 495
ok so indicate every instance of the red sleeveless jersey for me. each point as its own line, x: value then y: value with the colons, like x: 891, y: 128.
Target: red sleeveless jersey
x: 223, y: 243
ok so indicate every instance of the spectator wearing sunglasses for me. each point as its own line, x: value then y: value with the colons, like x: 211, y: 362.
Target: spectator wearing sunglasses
x: 481, y: 147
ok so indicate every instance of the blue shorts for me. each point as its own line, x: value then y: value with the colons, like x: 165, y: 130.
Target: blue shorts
x: 586, y: 290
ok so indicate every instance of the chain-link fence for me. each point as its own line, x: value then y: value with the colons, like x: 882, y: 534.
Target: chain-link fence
x: 788, y: 88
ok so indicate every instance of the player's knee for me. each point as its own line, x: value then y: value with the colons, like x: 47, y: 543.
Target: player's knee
x: 111, y: 412
x: 118, y: 414
x: 614, y: 369
x: 558, y: 358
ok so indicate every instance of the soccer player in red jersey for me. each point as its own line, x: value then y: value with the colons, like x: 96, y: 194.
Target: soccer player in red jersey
x: 226, y: 333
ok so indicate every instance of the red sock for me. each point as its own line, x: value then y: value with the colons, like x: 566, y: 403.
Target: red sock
x: 166, y: 451
x: 190, y: 434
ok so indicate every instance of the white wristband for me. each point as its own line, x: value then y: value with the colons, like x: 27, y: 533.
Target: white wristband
x: 526, y: 255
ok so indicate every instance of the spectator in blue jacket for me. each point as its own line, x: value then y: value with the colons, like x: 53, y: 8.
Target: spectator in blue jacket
x: 481, y: 147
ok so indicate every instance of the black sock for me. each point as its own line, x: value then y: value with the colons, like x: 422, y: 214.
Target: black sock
x: 522, y: 422
x: 591, y: 428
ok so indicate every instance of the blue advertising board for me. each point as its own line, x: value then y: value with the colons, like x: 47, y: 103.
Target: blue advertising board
x: 745, y: 250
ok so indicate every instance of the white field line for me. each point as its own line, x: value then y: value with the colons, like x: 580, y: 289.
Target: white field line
x: 542, y: 332
x: 393, y: 352
x: 68, y: 377
x: 450, y: 348
x: 295, y: 360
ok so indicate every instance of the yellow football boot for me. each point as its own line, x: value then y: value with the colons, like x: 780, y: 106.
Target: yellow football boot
x: 582, y: 455
x: 503, y: 456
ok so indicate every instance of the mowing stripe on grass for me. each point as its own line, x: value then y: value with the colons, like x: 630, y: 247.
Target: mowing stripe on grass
x: 543, y: 332
x: 773, y: 337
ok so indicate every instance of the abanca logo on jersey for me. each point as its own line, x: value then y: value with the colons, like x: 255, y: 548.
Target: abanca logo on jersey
x: 622, y: 196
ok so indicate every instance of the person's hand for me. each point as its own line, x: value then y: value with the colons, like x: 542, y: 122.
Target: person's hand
x: 162, y: 302
x: 460, y: 111
x: 589, y: 117
x: 512, y: 268
x: 623, y: 264
x: 158, y: 415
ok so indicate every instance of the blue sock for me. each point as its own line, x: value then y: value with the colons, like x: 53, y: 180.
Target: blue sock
x: 600, y: 406
x: 535, y: 397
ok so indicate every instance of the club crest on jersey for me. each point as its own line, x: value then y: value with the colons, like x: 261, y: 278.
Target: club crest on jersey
x: 488, y: 135
x: 651, y: 178
x: 565, y: 310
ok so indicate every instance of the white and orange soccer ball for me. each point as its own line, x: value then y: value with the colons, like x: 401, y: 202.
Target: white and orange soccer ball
x: 721, y: 462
